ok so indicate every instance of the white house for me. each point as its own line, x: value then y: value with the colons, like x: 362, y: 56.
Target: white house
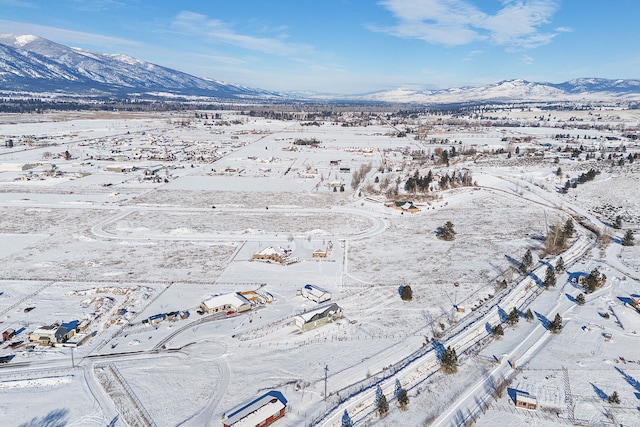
x: 234, y: 302
x: 318, y: 317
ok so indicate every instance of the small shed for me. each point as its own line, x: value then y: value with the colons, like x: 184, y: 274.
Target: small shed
x: 8, y: 334
x: 526, y: 400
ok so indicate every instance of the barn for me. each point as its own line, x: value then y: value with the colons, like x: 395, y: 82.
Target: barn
x: 318, y: 317
x: 261, y: 411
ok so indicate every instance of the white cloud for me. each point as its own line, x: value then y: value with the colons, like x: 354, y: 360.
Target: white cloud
x: 216, y: 31
x: 526, y: 59
x: 460, y: 22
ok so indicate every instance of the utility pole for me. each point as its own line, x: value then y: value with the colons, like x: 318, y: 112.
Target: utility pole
x: 73, y: 364
x: 326, y: 370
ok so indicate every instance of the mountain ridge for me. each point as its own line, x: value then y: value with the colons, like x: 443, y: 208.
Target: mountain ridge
x: 33, y: 64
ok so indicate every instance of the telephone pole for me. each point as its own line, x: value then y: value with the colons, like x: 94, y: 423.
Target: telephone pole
x: 326, y: 370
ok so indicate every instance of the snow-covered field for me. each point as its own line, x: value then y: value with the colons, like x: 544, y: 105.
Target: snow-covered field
x: 146, y: 214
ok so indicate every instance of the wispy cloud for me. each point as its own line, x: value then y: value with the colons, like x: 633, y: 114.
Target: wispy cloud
x: 216, y: 31
x: 458, y: 22
x: 97, y: 5
x: 17, y: 3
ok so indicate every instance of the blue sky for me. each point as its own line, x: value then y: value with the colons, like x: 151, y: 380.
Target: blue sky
x: 350, y: 46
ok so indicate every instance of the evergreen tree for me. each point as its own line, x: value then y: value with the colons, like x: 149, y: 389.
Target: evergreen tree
x: 556, y: 325
x: 614, y: 398
x: 407, y: 293
x: 628, y: 240
x: 497, y: 330
x: 528, y: 315
x: 549, y: 278
x: 446, y: 232
x: 346, y: 420
x: 449, y: 360
x: 594, y: 280
x: 527, y: 261
x: 569, y: 229
x: 403, y: 399
x: 382, y: 406
x: 560, y: 266
x: 580, y: 299
x: 513, y: 317
x: 617, y: 223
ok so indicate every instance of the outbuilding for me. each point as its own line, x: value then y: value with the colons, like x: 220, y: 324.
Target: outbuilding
x: 261, y: 411
x: 315, y: 293
x: 526, y: 400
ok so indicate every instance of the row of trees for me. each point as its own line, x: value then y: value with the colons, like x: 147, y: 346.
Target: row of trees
x: 422, y: 184
x: 381, y: 403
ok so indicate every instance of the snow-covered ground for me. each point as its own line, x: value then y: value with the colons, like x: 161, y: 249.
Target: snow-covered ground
x: 195, y: 200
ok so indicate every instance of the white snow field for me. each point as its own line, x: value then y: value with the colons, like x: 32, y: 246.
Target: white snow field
x: 112, y: 218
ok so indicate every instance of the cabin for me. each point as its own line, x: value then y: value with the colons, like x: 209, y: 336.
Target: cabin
x: 262, y: 411
x: 318, y: 317
x: 526, y: 401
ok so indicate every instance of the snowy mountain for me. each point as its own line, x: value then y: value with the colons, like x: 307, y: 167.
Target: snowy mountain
x: 33, y: 64
x: 517, y: 91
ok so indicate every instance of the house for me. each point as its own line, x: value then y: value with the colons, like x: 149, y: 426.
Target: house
x: 323, y: 253
x: 315, y: 293
x: 233, y: 302
x: 406, y: 207
x: 48, y: 334
x: 525, y: 400
x: 279, y: 255
x: 318, y: 317
x: 261, y: 411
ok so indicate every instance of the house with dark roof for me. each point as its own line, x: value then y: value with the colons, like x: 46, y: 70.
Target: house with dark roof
x: 261, y: 411
x: 318, y: 317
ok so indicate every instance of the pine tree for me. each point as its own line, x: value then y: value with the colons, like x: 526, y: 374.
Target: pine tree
x: 449, y: 360
x: 446, y: 232
x: 403, y: 399
x: 560, y: 266
x: 527, y: 261
x: 580, y: 299
x: 617, y: 224
x: 379, y: 395
x: 614, y: 398
x: 628, y: 240
x: 569, y: 229
x: 513, y: 317
x: 346, y: 420
x: 382, y: 406
x: 549, y: 278
x: 407, y: 293
x: 556, y: 325
x: 497, y: 330
x: 594, y: 280
x: 528, y: 315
